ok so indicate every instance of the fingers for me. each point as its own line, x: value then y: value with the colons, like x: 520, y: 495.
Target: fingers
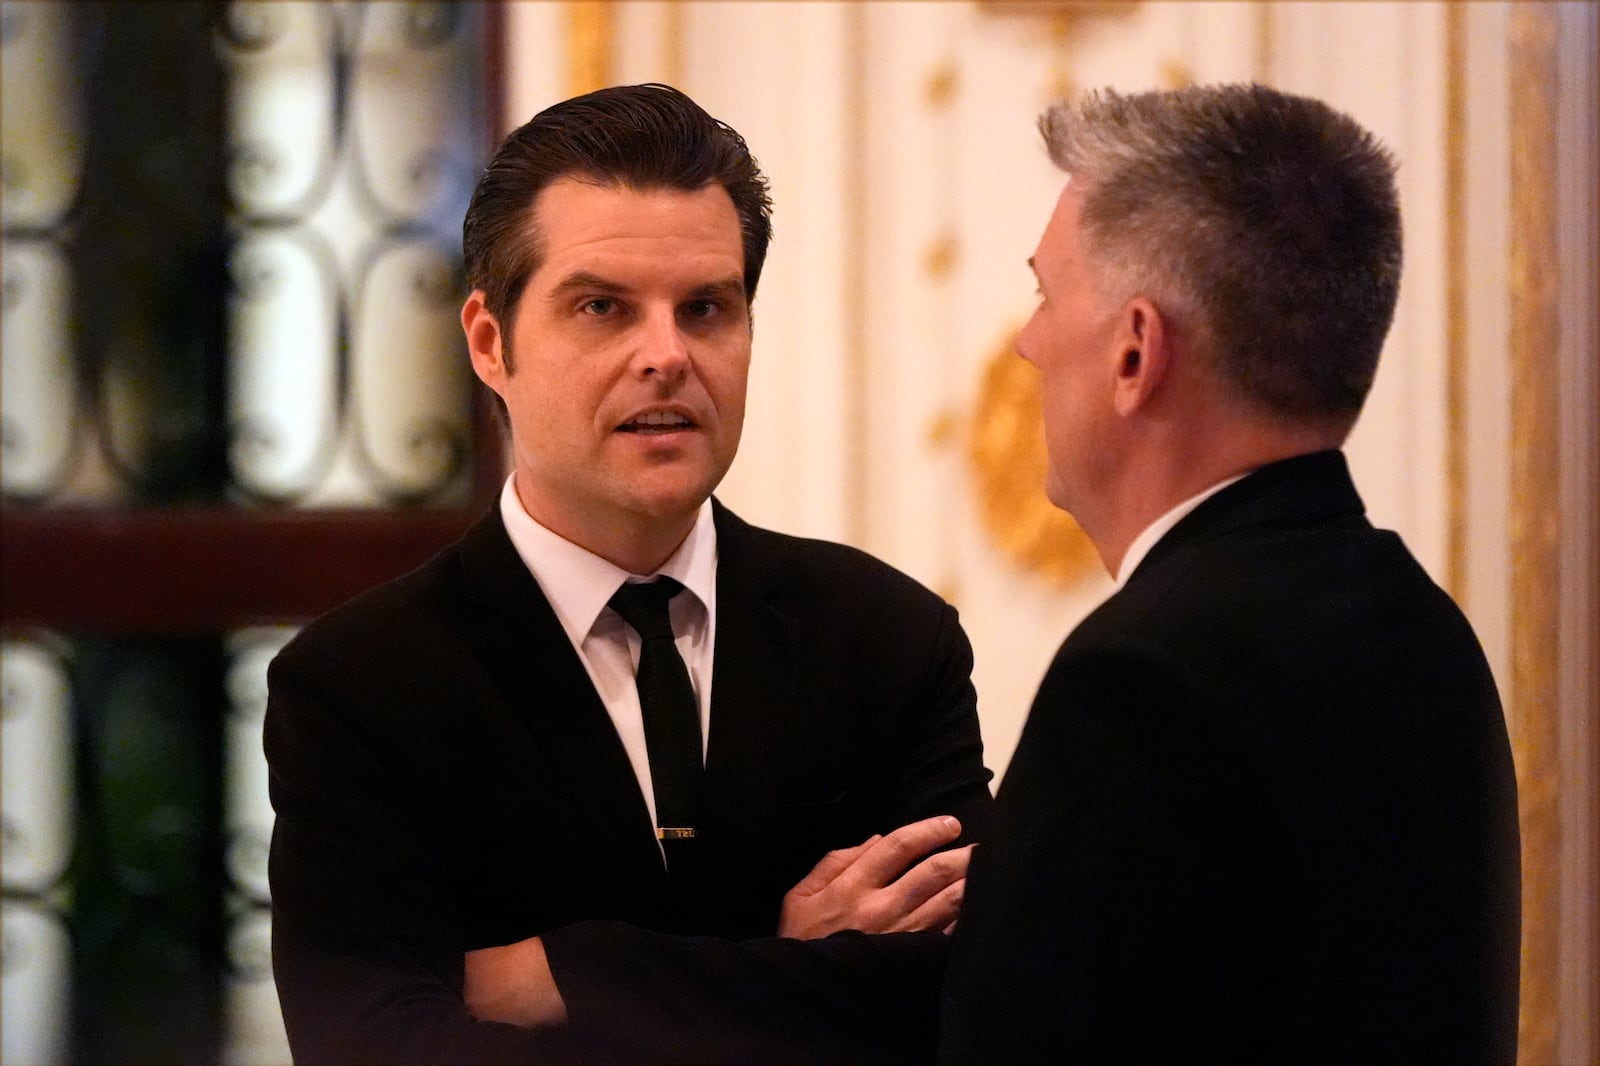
x: 931, y: 892
x: 936, y: 872
x: 832, y: 865
x: 939, y: 912
x: 880, y: 885
x: 885, y: 861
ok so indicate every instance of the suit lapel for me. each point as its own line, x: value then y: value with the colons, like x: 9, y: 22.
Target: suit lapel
x: 754, y: 692
x: 546, y: 686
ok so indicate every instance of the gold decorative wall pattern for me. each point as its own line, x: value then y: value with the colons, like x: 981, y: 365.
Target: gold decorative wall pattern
x: 1061, y: 19
x: 942, y: 84
x: 590, y: 31
x: 940, y: 92
x: 1175, y: 74
x: 1533, y: 713
x: 1062, y: 12
x: 1456, y: 315
x: 939, y: 261
x: 1007, y: 459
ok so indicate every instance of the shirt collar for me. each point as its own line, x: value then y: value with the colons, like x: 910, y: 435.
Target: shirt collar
x: 1152, y: 534
x: 578, y: 583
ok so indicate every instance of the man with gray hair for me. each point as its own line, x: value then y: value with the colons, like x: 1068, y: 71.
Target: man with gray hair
x: 1263, y: 809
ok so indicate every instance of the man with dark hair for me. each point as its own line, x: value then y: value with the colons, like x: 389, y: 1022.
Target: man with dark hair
x: 1263, y: 808
x: 617, y: 777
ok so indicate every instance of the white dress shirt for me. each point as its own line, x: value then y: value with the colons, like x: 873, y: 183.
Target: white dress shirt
x: 578, y: 584
x: 1152, y: 534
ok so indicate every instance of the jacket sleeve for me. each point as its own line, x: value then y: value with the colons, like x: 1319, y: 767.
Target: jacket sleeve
x: 635, y: 996
x: 367, y: 947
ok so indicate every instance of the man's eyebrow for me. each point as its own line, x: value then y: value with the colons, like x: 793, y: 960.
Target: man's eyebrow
x: 726, y: 288
x: 584, y: 280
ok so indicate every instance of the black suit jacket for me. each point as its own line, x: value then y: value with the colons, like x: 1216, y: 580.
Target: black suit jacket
x: 1262, y: 811
x: 446, y: 778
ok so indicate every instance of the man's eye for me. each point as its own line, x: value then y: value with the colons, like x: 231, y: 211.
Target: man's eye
x: 601, y: 305
x: 700, y: 308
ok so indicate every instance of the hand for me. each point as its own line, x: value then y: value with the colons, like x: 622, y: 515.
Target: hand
x: 513, y: 984
x: 869, y: 888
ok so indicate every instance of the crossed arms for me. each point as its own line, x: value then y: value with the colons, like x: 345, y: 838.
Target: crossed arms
x: 421, y: 823
x: 897, y: 883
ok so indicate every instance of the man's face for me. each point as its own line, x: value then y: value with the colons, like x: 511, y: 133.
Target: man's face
x: 630, y: 348
x: 1071, y: 338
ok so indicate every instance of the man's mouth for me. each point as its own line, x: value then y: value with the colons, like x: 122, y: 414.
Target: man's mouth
x: 657, y: 422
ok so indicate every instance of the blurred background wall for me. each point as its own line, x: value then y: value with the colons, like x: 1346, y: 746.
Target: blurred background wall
x: 233, y: 392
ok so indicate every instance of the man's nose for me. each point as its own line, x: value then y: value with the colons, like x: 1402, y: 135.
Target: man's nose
x: 662, y: 349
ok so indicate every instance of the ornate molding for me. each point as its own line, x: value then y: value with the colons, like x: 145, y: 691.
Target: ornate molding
x: 940, y: 258
x: 590, y: 31
x: 1062, y: 12
x: 1176, y: 74
x: 943, y: 83
x: 1455, y: 268
x: 1535, y: 519
x: 1061, y: 19
x: 1008, y: 462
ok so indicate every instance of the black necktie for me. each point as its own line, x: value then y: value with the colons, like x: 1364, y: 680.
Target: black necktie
x: 667, y: 701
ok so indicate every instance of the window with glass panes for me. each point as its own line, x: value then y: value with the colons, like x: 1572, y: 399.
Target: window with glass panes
x: 232, y: 394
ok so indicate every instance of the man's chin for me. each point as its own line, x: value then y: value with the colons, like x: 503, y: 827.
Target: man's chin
x: 668, y: 503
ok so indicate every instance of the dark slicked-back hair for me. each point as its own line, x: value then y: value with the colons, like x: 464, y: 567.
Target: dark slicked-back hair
x: 633, y: 136
x: 1268, y: 223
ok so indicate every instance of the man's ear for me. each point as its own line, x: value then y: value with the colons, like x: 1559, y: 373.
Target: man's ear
x: 1143, y: 353
x: 484, y: 342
